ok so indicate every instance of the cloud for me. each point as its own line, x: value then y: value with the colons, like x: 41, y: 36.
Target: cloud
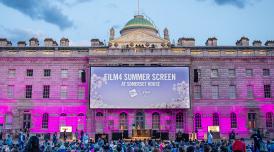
x: 17, y: 34
x: 40, y: 10
x: 237, y: 3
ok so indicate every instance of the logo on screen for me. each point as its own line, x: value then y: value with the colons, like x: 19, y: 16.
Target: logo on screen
x: 132, y: 93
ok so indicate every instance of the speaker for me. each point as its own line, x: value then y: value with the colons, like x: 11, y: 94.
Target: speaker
x: 196, y: 77
x: 83, y: 76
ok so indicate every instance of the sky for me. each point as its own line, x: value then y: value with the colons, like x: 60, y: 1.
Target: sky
x: 82, y: 20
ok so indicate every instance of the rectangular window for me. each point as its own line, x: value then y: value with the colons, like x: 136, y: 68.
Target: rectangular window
x: 80, y: 73
x: 231, y: 73
x: 10, y: 91
x: 81, y: 92
x: 197, y: 75
x: 215, y: 92
x: 249, y: 72
x: 64, y: 92
x: 28, y: 91
x: 64, y: 73
x: 46, y: 91
x: 12, y: 73
x: 232, y: 92
x: 47, y: 72
x: 251, y: 120
x: 267, y: 91
x: 250, y: 91
x: 197, y: 92
x: 214, y: 73
x: 26, y: 120
x: 29, y: 72
x: 266, y: 72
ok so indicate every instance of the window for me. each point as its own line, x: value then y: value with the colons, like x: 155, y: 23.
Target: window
x: 29, y: 72
x: 250, y: 91
x: 269, y: 120
x: 46, y: 91
x: 252, y: 120
x: 198, y: 121
x: 197, y: 92
x: 47, y: 72
x: 12, y: 73
x: 80, y: 73
x: 232, y: 92
x: 179, y: 120
x: 214, y: 73
x: 155, y: 120
x: 266, y: 72
x: 10, y: 91
x: 28, y: 91
x: 64, y: 92
x: 81, y: 118
x: 197, y: 75
x: 64, y: 73
x: 45, y: 121
x: 267, y: 91
x: 215, y: 119
x: 27, y: 120
x: 215, y: 92
x: 62, y: 118
x: 233, y: 120
x: 123, y: 121
x: 231, y: 72
x: 81, y: 92
x: 249, y: 72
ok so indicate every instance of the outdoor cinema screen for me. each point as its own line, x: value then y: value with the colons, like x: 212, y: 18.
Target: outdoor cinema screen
x: 139, y: 87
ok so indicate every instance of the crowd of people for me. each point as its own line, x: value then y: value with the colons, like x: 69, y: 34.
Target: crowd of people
x: 24, y: 143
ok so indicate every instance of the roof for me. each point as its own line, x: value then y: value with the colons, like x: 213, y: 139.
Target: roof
x: 139, y: 22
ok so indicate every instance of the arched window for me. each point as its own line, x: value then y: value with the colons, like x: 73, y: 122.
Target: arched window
x: 8, y: 120
x: 179, y: 120
x: 269, y: 120
x: 45, y: 121
x: 99, y: 122
x: 123, y: 121
x: 198, y: 121
x: 156, y: 120
x: 62, y: 119
x: 80, y: 124
x: 215, y: 119
x: 233, y: 119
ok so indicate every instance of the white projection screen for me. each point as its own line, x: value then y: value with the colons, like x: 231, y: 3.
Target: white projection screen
x: 139, y: 87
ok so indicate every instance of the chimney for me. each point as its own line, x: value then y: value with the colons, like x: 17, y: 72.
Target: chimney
x: 48, y: 42
x: 269, y: 43
x: 211, y: 41
x: 95, y: 43
x: 257, y: 43
x: 111, y: 34
x: 64, y: 42
x: 186, y: 41
x: 166, y: 34
x: 33, y: 42
x: 3, y: 42
x: 244, y: 41
x: 21, y: 43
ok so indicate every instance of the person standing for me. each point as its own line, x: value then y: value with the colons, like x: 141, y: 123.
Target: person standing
x: 256, y: 138
x: 54, y: 139
x: 65, y: 135
x: 210, y: 138
x: 232, y: 135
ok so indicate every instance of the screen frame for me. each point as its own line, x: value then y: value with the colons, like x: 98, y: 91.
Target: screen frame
x: 142, y: 66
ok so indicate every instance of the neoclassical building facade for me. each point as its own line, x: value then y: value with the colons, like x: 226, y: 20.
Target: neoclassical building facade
x: 46, y: 87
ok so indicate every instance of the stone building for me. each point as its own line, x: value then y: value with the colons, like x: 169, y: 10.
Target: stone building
x: 45, y: 87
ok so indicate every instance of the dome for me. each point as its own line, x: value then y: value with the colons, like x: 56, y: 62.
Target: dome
x: 139, y: 22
